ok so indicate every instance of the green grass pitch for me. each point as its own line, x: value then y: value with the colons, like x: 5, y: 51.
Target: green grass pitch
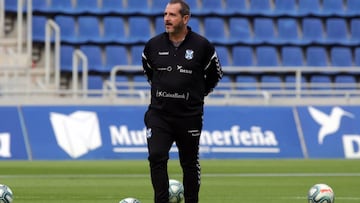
x: 250, y: 181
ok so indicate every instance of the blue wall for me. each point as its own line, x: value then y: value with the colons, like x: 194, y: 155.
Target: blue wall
x: 118, y: 132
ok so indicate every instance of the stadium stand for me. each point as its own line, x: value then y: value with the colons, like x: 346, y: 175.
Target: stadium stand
x: 285, y: 8
x: 114, y: 34
x: 88, y: 7
x: 115, y: 55
x: 89, y: 29
x: 353, y: 8
x: 138, y: 7
x: 355, y: 30
x: 317, y: 56
x: 236, y: 7
x: 261, y: 7
x: 39, y: 23
x: 243, y: 56
x: 313, y: 30
x: 212, y: 7
x: 333, y: 7
x: 288, y: 32
x: 341, y: 56
x: 264, y: 43
x: 357, y: 57
x: 139, y: 29
x: 309, y: 7
x: 264, y: 30
x: 267, y: 56
x: 337, y: 31
x: 112, y: 7
x: 66, y: 53
x: 292, y: 56
x: 212, y: 31
x: 68, y: 29
x: 94, y: 55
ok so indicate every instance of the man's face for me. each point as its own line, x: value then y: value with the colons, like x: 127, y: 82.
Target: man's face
x: 173, y: 20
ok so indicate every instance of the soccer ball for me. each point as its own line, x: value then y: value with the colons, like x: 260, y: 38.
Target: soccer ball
x: 129, y: 200
x: 6, y: 195
x: 321, y: 193
x: 176, y: 191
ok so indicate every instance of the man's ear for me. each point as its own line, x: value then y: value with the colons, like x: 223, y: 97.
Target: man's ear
x: 186, y: 19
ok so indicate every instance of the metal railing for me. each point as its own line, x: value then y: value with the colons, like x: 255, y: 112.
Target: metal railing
x: 268, y: 93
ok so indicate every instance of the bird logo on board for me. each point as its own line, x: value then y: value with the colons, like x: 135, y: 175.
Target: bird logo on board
x: 329, y: 124
x: 189, y: 54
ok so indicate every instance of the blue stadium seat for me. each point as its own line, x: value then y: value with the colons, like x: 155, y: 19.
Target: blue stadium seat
x: 67, y: 26
x: 355, y: 30
x: 62, y: 7
x: 290, y: 82
x: 353, y: 8
x: 38, y: 28
x: 270, y: 82
x: 246, y: 82
x: 266, y: 56
x: 313, y: 30
x: 345, y: 82
x: 138, y: 7
x: 214, y: 28
x: 114, y: 30
x: 309, y: 7
x: 333, y: 7
x: 139, y: 29
x: 316, y: 56
x: 11, y: 6
x: 288, y: 31
x: 292, y: 56
x: 95, y: 82
x: 122, y: 82
x: 243, y: 56
x: 239, y: 30
x: 261, y: 7
x: 212, y: 7
x: 89, y: 29
x: 94, y: 57
x: 66, y: 55
x: 264, y: 30
x: 136, y: 52
x: 88, y: 7
x: 233, y: 7
x: 113, y: 7
x: 158, y: 7
x: 285, y: 8
x: 159, y: 25
x: 195, y: 7
x: 225, y: 83
x: 320, y: 82
x: 142, y: 83
x: 223, y: 55
x: 115, y: 55
x: 341, y: 56
x: 357, y: 56
x: 194, y: 23
x: 337, y: 31
x: 39, y: 7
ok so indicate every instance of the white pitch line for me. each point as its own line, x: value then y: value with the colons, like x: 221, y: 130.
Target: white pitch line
x: 203, y: 175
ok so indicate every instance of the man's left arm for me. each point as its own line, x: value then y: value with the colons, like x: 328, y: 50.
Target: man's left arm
x: 213, y: 73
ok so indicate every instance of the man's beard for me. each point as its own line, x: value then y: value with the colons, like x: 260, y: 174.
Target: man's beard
x: 176, y: 29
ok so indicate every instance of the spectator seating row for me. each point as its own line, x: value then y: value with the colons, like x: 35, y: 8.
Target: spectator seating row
x: 103, y: 59
x: 277, y: 84
x: 294, y: 8
x: 236, y: 30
